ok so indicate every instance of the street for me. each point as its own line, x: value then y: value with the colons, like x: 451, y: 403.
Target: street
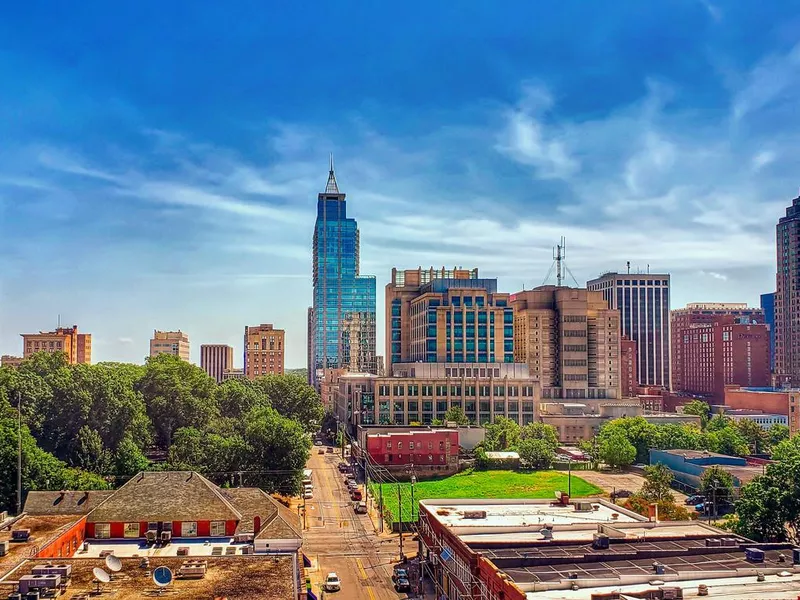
x: 336, y: 539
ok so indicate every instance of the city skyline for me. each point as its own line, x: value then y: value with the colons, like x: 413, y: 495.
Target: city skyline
x: 155, y: 196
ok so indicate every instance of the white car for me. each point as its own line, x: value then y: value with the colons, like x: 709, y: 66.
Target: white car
x: 308, y: 495
x: 332, y: 583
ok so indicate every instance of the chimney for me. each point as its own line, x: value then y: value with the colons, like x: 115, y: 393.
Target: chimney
x: 256, y: 525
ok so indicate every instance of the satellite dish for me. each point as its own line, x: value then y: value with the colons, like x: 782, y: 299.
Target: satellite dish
x: 101, y: 575
x: 113, y: 563
x: 162, y: 576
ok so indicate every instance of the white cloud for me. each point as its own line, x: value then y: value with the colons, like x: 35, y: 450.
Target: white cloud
x: 125, y: 340
x: 773, y: 79
x: 714, y: 275
x: 762, y: 159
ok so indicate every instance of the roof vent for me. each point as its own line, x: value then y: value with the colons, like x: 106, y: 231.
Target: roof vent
x: 760, y: 576
x: 702, y: 590
x: 547, y: 534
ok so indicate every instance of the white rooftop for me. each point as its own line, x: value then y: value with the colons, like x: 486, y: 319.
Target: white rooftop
x: 123, y: 549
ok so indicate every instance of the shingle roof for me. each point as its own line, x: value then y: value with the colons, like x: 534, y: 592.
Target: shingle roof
x: 64, y: 503
x: 166, y: 496
x: 277, y: 522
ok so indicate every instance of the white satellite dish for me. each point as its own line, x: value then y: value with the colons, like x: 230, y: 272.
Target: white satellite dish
x: 113, y: 563
x: 162, y: 576
x: 101, y: 575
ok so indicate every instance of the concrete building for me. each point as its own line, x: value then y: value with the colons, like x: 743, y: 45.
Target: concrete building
x: 233, y: 374
x: 766, y: 421
x: 702, y: 313
x: 569, y: 339
x: 627, y: 367
x: 642, y: 300
x: 170, y: 342
x: 768, y: 306
x: 688, y: 466
x: 11, y: 361
x: 339, y: 288
x: 215, y: 359
x: 723, y: 352
x: 453, y: 317
x: 787, y: 297
x: 77, y: 346
x: 421, y: 392
x: 263, y: 350
x: 773, y: 401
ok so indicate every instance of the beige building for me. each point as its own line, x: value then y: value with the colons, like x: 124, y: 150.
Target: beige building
x: 233, y: 374
x: 11, y: 361
x: 77, y: 346
x: 170, y: 342
x: 263, y: 350
x: 215, y: 359
x: 570, y: 340
x: 422, y: 392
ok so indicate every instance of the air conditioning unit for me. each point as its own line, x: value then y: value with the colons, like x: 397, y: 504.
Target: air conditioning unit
x: 600, y: 541
x: 20, y: 535
x: 474, y: 514
x: 754, y: 555
x: 3, y: 547
x: 713, y: 542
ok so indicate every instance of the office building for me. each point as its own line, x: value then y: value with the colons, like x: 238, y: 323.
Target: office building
x: 339, y: 288
x: 170, y: 342
x: 784, y: 402
x: 358, y: 342
x: 768, y: 306
x: 310, y: 345
x: 702, y: 313
x: 764, y: 420
x: 569, y: 339
x: 728, y: 351
x: 77, y: 346
x: 215, y: 359
x: 422, y: 392
x: 263, y: 350
x: 10, y: 361
x: 405, y: 287
x: 642, y: 300
x: 233, y: 374
x: 627, y: 367
x: 787, y: 297
x: 426, y: 451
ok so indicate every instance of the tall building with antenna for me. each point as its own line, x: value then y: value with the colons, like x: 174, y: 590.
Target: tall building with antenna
x: 642, y: 300
x: 787, y: 294
x: 341, y: 294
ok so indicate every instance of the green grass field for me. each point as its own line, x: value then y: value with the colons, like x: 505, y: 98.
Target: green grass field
x: 483, y: 484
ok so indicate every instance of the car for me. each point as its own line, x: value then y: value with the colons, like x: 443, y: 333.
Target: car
x: 308, y: 495
x: 402, y: 585
x: 623, y: 493
x: 360, y: 508
x: 318, y: 443
x: 332, y: 583
x: 355, y: 494
x: 695, y: 499
x: 399, y: 573
x: 330, y: 450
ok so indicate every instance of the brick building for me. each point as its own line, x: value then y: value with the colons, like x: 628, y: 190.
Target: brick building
x: 787, y: 294
x: 170, y: 342
x: 263, y: 350
x: 627, y: 367
x: 726, y: 351
x: 77, y: 346
x: 215, y: 359
x: 767, y: 400
x: 424, y: 447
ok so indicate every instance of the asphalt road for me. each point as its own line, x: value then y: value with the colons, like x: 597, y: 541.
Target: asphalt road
x: 338, y: 540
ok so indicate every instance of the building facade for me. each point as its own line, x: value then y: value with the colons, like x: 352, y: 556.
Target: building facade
x: 768, y: 400
x: 787, y: 296
x: 422, y: 392
x: 728, y: 351
x: 170, y: 342
x: 233, y: 374
x: 702, y: 313
x: 627, y: 367
x: 77, y: 346
x: 263, y: 350
x: 419, y: 449
x: 569, y: 339
x: 10, y: 361
x: 215, y: 359
x: 642, y: 300
x: 358, y: 342
x: 768, y: 306
x: 339, y: 288
x: 765, y: 420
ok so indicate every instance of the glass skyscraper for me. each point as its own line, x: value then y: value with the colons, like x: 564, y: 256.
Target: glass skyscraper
x: 341, y: 294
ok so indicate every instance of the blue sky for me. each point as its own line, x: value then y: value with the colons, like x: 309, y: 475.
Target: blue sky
x: 159, y: 162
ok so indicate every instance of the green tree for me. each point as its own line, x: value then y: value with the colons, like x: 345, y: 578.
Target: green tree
x: 501, y: 435
x: 540, y: 431
x: 128, y: 458
x: 89, y: 453
x: 656, y: 488
x: 293, y: 398
x: 753, y: 434
x: 787, y: 449
x: 591, y: 448
x: 617, y: 451
x: 236, y: 397
x: 187, y: 450
x: 536, y: 452
x: 641, y: 434
x: 726, y: 440
x: 455, y: 414
x: 716, y: 484
x: 687, y: 436
x: 700, y: 408
x: 719, y: 422
x: 776, y: 434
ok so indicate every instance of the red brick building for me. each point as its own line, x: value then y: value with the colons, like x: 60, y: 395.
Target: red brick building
x: 721, y: 353
x: 702, y: 313
x: 627, y: 367
x: 423, y: 448
x: 777, y: 402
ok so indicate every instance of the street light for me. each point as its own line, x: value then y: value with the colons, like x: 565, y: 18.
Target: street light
x: 413, y: 481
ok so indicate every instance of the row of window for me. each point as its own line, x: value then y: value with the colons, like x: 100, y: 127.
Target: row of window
x: 442, y: 405
x: 413, y: 389
x: 412, y: 445
x: 132, y: 530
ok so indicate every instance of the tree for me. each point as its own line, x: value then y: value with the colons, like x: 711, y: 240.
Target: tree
x: 776, y: 434
x: 591, y: 449
x: 536, y: 452
x: 455, y: 414
x: 656, y: 487
x: 716, y: 484
x: 753, y: 434
x: 726, y: 440
x: 700, y: 408
x: 128, y: 459
x: 540, y: 431
x: 187, y: 451
x: 501, y: 435
x: 687, y: 436
x: 236, y: 397
x: 787, y: 449
x: 293, y: 398
x: 616, y: 451
x: 89, y: 453
x: 641, y: 434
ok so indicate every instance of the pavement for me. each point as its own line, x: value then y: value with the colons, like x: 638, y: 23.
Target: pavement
x: 608, y: 482
x: 338, y: 540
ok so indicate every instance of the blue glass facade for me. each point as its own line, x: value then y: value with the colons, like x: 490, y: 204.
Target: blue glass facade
x: 339, y: 290
x: 768, y: 306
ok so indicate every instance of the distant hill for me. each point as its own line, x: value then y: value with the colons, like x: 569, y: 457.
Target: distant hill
x: 302, y: 372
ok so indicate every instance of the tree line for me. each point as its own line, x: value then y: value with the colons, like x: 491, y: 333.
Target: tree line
x: 93, y: 426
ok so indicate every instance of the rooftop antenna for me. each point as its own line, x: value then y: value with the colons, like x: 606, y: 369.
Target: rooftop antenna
x: 629, y: 267
x: 560, y: 264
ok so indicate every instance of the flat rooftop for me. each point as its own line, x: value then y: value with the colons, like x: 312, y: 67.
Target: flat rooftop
x: 137, y: 548
x: 263, y: 577
x: 43, y: 529
x: 697, y: 454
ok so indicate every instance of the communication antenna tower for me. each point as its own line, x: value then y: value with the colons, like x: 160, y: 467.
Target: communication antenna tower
x: 560, y: 265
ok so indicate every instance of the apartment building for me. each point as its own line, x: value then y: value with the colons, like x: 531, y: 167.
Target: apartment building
x: 627, y: 367
x: 263, y: 350
x: 8, y: 360
x: 77, y: 346
x: 569, y: 339
x: 422, y: 392
x: 170, y: 342
x: 702, y: 313
x: 358, y: 342
x: 215, y: 359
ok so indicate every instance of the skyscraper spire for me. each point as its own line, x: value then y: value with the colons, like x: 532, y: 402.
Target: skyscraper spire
x: 331, y: 187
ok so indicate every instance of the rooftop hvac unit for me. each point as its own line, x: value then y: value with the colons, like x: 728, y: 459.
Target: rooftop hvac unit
x: 151, y: 535
x: 658, y: 568
x: 600, y: 541
x: 474, y: 514
x: 29, y: 582
x: 583, y: 507
x: 166, y: 537
x: 754, y: 555
x: 3, y: 547
x: 64, y: 570
x: 796, y: 556
x: 713, y: 542
x: 15, y: 596
x: 243, y: 538
x: 730, y: 542
x: 671, y: 593
x: 34, y: 595
x: 20, y: 535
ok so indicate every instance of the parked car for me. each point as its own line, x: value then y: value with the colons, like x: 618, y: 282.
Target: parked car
x: 623, y: 493
x: 330, y: 450
x: 318, y: 443
x: 399, y: 573
x: 355, y: 494
x: 332, y: 583
x: 695, y: 499
x: 402, y: 585
x: 308, y: 495
x: 321, y: 451
x: 360, y: 508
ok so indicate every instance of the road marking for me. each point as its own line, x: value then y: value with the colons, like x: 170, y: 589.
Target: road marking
x: 361, y: 568
x: 370, y: 594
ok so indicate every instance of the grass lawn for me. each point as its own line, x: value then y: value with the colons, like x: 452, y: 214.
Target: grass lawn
x: 484, y: 484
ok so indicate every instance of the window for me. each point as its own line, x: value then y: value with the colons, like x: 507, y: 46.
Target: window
x: 410, y: 445
x: 399, y: 445
x: 102, y: 530
x: 389, y: 444
x: 131, y: 530
x: 218, y: 528
x: 189, y: 529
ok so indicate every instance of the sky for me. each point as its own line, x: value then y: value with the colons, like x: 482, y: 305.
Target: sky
x: 160, y: 162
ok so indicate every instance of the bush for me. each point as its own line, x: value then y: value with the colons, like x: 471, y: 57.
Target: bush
x: 667, y: 511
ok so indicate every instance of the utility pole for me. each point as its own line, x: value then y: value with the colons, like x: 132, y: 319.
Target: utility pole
x: 19, y: 452
x: 569, y: 476
x: 400, y: 511
x: 380, y: 503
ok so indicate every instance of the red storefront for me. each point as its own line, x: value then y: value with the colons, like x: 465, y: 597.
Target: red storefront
x: 437, y: 447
